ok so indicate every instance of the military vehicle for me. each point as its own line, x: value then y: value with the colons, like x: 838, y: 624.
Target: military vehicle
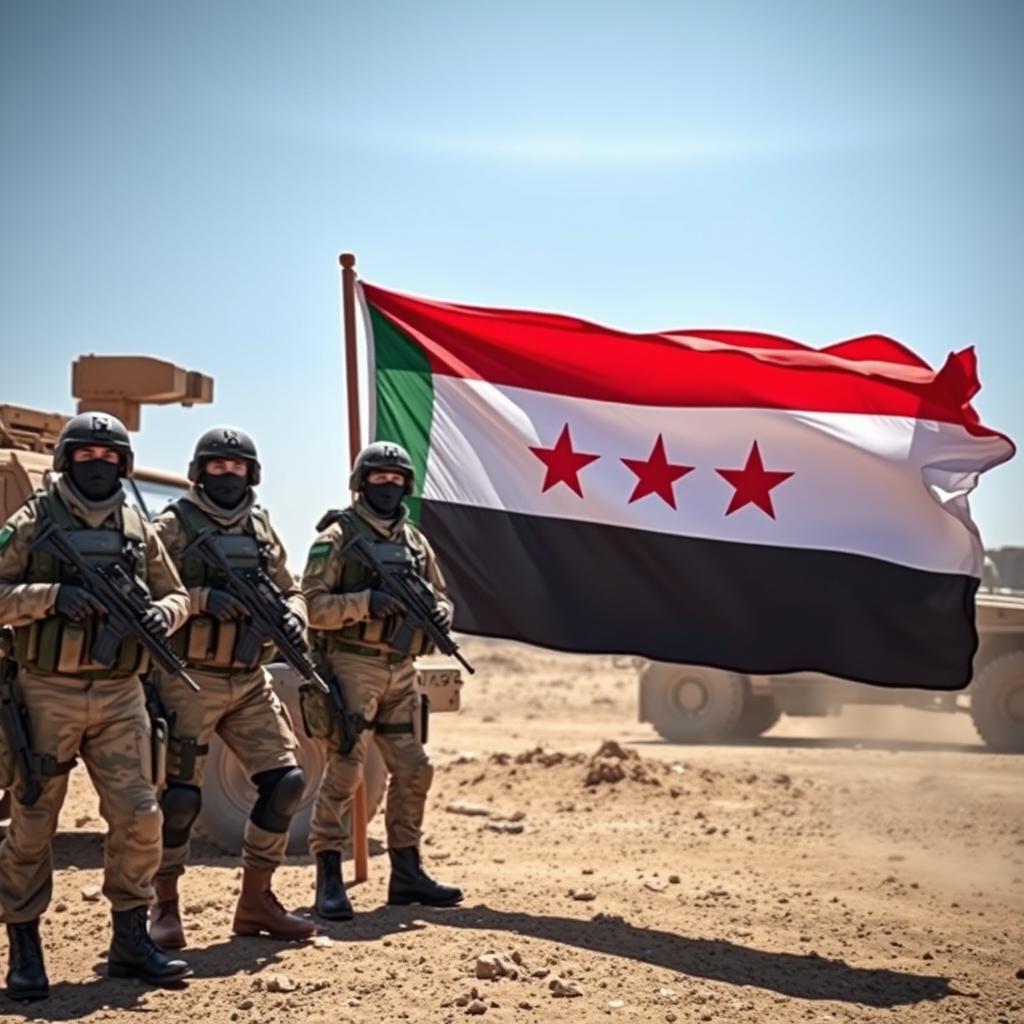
x: 121, y: 385
x: 692, y: 704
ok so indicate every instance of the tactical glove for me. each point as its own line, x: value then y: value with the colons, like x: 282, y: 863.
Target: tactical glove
x: 292, y: 628
x: 224, y: 606
x: 155, y: 619
x: 76, y: 603
x: 383, y: 605
x: 441, y: 616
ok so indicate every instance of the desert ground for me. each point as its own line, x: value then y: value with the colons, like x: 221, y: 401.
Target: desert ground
x: 867, y: 868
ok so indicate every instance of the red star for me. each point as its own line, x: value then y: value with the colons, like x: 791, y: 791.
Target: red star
x: 656, y: 475
x: 753, y: 484
x: 563, y: 464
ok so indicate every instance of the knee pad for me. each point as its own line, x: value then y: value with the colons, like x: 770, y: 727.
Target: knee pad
x: 146, y: 822
x: 280, y: 792
x: 180, y: 803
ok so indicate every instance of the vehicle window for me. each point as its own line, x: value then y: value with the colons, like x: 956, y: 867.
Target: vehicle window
x: 151, y: 497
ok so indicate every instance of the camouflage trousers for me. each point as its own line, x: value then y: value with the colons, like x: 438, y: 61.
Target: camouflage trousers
x: 104, y: 722
x: 243, y: 709
x: 386, y: 693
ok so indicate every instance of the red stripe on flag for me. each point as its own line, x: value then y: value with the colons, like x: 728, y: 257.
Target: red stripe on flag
x: 702, y: 368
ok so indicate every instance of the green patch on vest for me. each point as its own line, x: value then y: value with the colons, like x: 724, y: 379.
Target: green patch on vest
x: 318, y: 555
x: 5, y: 537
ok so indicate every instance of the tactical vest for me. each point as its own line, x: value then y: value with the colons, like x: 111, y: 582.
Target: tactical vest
x: 55, y: 645
x: 203, y: 641
x: 355, y: 577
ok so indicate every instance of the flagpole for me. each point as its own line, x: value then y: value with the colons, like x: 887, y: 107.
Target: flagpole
x: 347, y: 260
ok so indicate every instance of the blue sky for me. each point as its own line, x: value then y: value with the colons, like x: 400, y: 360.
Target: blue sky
x: 177, y: 179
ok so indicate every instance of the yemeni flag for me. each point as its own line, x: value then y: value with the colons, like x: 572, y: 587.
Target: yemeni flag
x: 718, y: 498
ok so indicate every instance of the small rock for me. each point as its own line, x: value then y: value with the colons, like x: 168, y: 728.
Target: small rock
x: 583, y: 895
x: 466, y: 757
x: 476, y: 1007
x: 82, y: 820
x: 468, y: 809
x: 246, y: 1004
x: 193, y: 909
x: 323, y: 942
x: 616, y: 1004
x: 512, y: 828
x: 541, y: 972
x: 674, y: 879
x: 656, y: 886
x: 491, y: 966
x: 588, y: 871
x: 565, y: 988
x: 671, y: 1018
x: 1020, y: 974
x: 280, y: 983
x: 91, y: 893
x: 60, y: 907
x: 525, y: 1004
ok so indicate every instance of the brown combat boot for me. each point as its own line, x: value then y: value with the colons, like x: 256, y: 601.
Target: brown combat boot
x: 259, y: 911
x: 164, y: 916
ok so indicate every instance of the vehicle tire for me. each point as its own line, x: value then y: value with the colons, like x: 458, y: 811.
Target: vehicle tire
x: 691, y: 704
x: 997, y: 703
x: 228, y: 795
x: 760, y: 713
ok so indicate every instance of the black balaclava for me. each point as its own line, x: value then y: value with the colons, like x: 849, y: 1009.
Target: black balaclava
x: 225, y: 489
x: 96, y: 479
x: 384, y: 499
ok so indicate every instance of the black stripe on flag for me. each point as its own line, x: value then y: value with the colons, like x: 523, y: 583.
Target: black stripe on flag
x: 751, y: 608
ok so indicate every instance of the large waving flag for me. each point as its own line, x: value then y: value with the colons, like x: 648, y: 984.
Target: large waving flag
x: 710, y: 497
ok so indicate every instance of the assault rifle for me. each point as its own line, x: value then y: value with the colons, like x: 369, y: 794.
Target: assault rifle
x: 416, y: 597
x: 15, y: 719
x: 126, y: 602
x: 266, y: 606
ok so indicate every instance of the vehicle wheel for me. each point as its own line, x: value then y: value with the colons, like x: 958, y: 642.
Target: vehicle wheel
x: 690, y: 704
x: 997, y: 703
x: 760, y: 713
x: 228, y: 795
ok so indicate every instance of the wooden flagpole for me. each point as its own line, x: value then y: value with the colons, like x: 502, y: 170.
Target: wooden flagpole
x: 358, y: 833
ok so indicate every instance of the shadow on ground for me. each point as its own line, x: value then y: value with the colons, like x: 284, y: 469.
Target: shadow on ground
x: 800, y: 975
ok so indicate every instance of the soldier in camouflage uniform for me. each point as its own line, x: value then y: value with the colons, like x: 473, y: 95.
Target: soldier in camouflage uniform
x: 79, y: 708
x: 237, y: 700
x: 353, y: 623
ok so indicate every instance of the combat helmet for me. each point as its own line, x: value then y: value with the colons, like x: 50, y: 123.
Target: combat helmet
x: 94, y: 428
x: 225, y: 443
x: 382, y: 455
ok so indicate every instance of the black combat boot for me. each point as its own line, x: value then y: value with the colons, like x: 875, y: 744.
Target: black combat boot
x: 133, y: 954
x: 411, y: 884
x: 332, y: 901
x: 26, y: 972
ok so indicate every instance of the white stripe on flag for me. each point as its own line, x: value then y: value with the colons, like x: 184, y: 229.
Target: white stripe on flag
x: 886, y: 487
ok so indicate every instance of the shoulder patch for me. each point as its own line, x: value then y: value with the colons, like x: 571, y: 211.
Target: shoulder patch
x: 5, y: 537
x: 318, y: 555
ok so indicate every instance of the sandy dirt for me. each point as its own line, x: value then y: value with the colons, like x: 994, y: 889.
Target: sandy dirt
x: 875, y: 876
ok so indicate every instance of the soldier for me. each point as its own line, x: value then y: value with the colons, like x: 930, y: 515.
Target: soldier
x: 353, y: 623
x: 237, y: 700
x: 77, y: 707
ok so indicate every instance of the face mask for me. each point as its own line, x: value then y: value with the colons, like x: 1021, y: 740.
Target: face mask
x: 225, y: 490
x: 95, y: 480
x: 384, y: 499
